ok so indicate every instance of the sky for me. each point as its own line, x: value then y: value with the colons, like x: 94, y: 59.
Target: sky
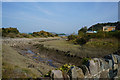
x: 59, y: 17
x: 60, y: 0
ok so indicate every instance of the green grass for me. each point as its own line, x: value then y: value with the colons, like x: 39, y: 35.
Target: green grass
x: 62, y: 45
x: 16, y: 65
x: 93, y: 48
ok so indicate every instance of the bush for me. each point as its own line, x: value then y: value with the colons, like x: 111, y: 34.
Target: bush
x: 6, y: 31
x: 43, y: 34
x: 72, y: 37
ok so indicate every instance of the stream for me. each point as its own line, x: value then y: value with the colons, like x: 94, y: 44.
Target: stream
x: 39, y: 58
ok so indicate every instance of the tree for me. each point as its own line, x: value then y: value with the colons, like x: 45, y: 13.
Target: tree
x: 118, y: 26
x: 83, y: 29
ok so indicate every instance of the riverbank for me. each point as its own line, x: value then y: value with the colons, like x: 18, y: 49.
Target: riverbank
x: 20, y: 63
x: 44, y: 54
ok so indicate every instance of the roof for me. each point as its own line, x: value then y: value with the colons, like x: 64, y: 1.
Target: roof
x: 91, y: 32
x: 109, y: 26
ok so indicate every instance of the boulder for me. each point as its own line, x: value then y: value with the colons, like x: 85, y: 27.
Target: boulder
x: 97, y: 61
x: 66, y: 76
x: 103, y: 64
x: 113, y: 73
x: 85, y: 70
x: 94, y: 66
x: 80, y: 73
x: 77, y: 73
x: 115, y: 66
x: 115, y: 62
x: 118, y: 58
x: 56, y: 74
x: 118, y: 73
x: 74, y: 73
x: 110, y: 63
x: 104, y: 74
x: 114, y: 59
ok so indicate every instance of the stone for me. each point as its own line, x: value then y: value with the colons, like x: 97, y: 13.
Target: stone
x: 113, y: 73
x: 118, y: 73
x: 85, y: 70
x: 104, y: 74
x: 74, y: 73
x: 118, y: 58
x: 77, y: 73
x: 97, y: 61
x: 103, y: 64
x: 114, y: 59
x: 94, y: 66
x: 80, y: 73
x: 66, y: 76
x: 56, y: 74
x: 110, y: 63
x: 115, y: 66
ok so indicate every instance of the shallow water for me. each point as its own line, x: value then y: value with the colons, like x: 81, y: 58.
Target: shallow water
x: 35, y: 56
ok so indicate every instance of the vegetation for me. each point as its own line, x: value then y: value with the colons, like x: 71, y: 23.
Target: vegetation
x: 14, y: 32
x: 15, y: 65
x: 65, y: 68
x: 99, y: 26
x: 42, y: 34
x: 83, y: 37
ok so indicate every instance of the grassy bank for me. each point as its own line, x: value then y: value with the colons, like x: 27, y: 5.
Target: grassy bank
x: 19, y: 66
x: 93, y: 48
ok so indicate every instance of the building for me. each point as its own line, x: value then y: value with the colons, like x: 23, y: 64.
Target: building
x: 109, y: 28
x: 91, y: 32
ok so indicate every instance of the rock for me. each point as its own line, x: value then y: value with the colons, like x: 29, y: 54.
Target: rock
x: 118, y: 58
x: 104, y: 74
x: 110, y: 63
x: 115, y: 66
x: 97, y: 61
x: 112, y: 73
x: 56, y: 74
x: 118, y: 73
x: 115, y: 62
x: 114, y: 59
x: 85, y: 70
x: 77, y: 73
x: 80, y: 73
x: 103, y: 64
x: 74, y: 73
x: 66, y: 76
x: 94, y: 66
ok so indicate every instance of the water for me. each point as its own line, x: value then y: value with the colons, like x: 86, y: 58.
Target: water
x: 29, y: 51
x: 50, y: 62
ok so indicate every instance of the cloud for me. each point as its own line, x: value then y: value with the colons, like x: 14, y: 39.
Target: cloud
x: 60, y: 0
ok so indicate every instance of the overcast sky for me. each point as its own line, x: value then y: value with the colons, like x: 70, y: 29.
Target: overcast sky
x: 59, y: 17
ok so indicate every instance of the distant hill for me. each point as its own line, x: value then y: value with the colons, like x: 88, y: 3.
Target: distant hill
x: 99, y: 26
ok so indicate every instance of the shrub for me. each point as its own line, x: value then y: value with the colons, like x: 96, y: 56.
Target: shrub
x: 43, y: 34
x: 72, y: 37
x: 85, y: 60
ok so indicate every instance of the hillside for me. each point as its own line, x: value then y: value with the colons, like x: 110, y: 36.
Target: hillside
x: 99, y: 26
